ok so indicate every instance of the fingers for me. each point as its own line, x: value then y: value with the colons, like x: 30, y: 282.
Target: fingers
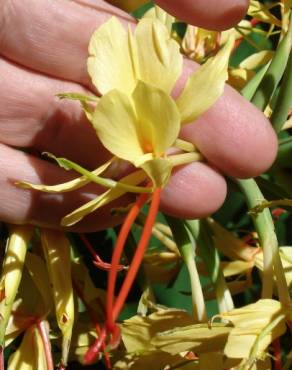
x: 205, y: 191
x: 194, y: 191
x: 55, y: 32
x: 32, y: 116
x: 211, y: 14
x: 18, y: 205
x: 233, y: 135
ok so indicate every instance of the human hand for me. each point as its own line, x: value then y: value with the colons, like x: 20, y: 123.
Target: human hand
x: 43, y: 45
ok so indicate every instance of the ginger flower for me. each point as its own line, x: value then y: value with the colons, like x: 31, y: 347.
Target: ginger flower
x: 136, y: 118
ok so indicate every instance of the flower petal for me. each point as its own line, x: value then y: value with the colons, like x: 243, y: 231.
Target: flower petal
x: 205, y: 86
x: 66, y: 186
x: 118, y: 59
x: 110, y: 62
x: 116, y: 126
x: 159, y: 170
x: 158, y: 118
x: 160, y: 61
x: 105, y: 198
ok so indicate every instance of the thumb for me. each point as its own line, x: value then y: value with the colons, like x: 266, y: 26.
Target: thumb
x: 210, y: 14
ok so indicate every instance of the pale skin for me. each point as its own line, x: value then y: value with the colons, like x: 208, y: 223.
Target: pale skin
x: 43, y: 48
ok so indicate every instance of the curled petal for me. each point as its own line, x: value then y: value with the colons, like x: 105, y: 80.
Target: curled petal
x: 105, y: 198
x: 66, y: 186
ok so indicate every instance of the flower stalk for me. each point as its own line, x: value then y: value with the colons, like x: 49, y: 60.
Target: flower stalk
x: 268, y: 240
x: 16, y: 249
x: 186, y: 246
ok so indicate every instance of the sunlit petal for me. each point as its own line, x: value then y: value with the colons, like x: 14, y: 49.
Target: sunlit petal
x: 159, y: 170
x: 205, y: 86
x: 116, y: 126
x: 105, y: 198
x: 158, y: 118
x: 66, y: 186
x: 110, y: 62
x: 160, y: 62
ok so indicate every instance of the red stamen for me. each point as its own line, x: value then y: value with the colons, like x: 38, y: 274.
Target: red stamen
x: 124, y: 232
x: 114, y: 308
x: 94, y: 320
x: 277, y: 354
x: 138, y: 256
x: 98, y: 262
x: 96, y: 348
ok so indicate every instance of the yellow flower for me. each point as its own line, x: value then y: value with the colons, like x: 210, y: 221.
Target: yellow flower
x: 137, y: 119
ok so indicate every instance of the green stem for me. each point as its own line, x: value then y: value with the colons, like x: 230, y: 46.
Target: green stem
x: 251, y: 87
x: 268, y: 240
x: 202, y: 233
x: 275, y: 72
x: 284, y: 98
x: 187, y: 251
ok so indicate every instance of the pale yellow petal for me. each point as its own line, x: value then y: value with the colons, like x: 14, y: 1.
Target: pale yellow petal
x: 110, y: 64
x: 249, y: 323
x: 158, y: 13
x: 105, y: 198
x: 158, y: 121
x: 159, y: 170
x: 160, y: 62
x: 205, y: 86
x: 117, y: 126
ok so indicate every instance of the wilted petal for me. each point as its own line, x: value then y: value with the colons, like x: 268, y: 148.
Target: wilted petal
x: 205, y: 86
x: 249, y: 323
